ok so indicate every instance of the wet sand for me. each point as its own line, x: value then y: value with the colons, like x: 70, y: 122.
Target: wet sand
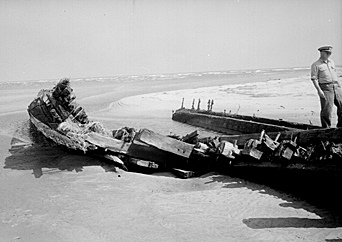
x: 48, y: 194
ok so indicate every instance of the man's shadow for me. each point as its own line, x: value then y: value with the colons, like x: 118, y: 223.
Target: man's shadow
x: 35, y: 152
x: 314, y: 193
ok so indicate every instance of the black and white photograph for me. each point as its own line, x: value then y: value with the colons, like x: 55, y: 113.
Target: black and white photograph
x: 170, y: 120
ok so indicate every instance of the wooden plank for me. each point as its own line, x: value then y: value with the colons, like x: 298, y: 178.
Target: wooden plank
x: 111, y: 144
x: 190, y: 137
x: 144, y: 163
x: 183, y: 173
x: 144, y: 151
x: 165, y: 143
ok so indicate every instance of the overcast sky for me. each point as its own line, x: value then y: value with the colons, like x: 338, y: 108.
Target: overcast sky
x: 51, y: 39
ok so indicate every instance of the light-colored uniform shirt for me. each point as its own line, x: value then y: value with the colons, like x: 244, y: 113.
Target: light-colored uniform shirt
x: 324, y: 71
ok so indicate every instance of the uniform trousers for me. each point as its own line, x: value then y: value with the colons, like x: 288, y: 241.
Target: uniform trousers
x: 333, y: 95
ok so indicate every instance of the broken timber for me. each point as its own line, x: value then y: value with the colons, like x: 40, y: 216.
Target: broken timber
x: 304, y: 137
x: 165, y: 143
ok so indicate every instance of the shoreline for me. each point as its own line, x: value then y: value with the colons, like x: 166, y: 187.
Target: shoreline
x: 292, y: 99
x: 95, y: 96
x: 137, y: 88
x: 52, y: 195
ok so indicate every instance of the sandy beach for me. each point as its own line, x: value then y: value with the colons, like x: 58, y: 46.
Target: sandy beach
x: 48, y: 194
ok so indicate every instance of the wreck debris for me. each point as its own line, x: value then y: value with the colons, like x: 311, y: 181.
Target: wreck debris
x: 251, y: 147
x: 144, y: 163
x: 183, y: 173
x: 229, y: 123
x: 286, y: 149
x: 191, y: 138
x: 56, y: 114
x: 228, y: 149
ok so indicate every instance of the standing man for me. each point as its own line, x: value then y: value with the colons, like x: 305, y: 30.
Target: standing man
x: 325, y: 80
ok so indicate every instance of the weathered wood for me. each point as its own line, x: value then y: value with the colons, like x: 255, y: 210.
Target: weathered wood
x: 252, y: 152
x: 250, y: 148
x: 144, y: 151
x: 144, y: 163
x: 114, y: 145
x: 148, y: 146
x: 322, y: 168
x: 234, y: 123
x: 114, y: 160
x: 227, y: 149
x: 165, y: 143
x: 286, y: 149
x: 190, y: 137
x: 304, y: 137
x: 183, y: 173
x: 57, y: 137
x: 270, y: 143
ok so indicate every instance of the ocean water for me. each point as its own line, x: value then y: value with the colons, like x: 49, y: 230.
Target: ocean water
x: 172, y: 76
x: 130, y: 106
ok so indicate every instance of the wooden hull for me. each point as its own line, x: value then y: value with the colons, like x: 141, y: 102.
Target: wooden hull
x: 154, y: 151
x: 145, y: 145
x: 234, y: 123
x: 241, y: 129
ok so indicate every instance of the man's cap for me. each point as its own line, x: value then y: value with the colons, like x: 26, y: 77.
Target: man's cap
x: 327, y: 48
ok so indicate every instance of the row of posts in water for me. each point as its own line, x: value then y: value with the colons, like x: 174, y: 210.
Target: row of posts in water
x: 210, y: 104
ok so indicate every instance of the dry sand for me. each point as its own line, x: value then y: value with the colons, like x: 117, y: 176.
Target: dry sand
x: 51, y: 195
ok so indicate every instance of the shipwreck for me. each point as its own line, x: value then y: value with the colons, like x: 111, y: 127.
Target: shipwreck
x: 251, y: 141
x: 56, y: 114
